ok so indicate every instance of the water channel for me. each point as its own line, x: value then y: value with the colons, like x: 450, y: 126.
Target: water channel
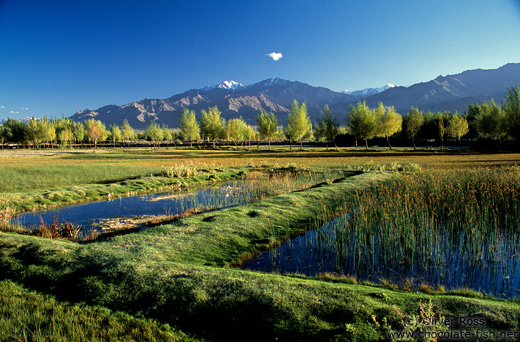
x: 91, y: 215
x: 450, y: 260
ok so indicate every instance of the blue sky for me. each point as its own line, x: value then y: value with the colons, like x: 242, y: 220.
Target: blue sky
x: 60, y: 56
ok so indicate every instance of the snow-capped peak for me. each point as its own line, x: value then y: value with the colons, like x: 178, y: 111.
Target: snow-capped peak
x: 230, y: 85
x: 274, y: 81
x: 226, y: 85
x: 370, y: 91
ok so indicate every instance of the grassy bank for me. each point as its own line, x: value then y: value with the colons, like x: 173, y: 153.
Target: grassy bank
x: 45, y: 199
x: 168, y: 273
x: 30, y: 316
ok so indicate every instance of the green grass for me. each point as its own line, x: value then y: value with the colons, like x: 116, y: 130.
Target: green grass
x: 28, y: 170
x: 30, y: 316
x: 23, y: 179
x: 44, y: 199
x: 174, y: 274
x: 179, y: 274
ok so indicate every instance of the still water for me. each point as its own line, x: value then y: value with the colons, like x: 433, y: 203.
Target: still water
x: 88, y: 215
x: 449, y: 260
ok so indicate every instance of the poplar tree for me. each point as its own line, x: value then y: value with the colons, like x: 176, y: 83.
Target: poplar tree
x: 457, y: 127
x: 34, y: 133
x: 511, y: 107
x: 115, y: 133
x: 236, y: 130
x: 95, y: 131
x: 362, y: 122
x: 328, y: 126
x: 154, y: 133
x: 189, y: 126
x: 66, y: 135
x: 414, y: 121
x: 441, y: 127
x: 212, y: 126
x: 127, y: 132
x: 267, y: 126
x: 389, y: 122
x: 298, y: 122
x: 79, y: 132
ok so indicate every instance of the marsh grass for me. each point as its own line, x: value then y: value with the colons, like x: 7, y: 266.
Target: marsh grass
x: 57, y: 230
x: 421, y: 224
x: 44, y: 199
x: 244, y: 189
x: 466, y: 292
x: 170, y: 266
x: 166, y: 272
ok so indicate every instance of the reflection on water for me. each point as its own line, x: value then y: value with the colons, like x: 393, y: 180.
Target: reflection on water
x: 258, y: 185
x: 87, y: 215
x: 448, y: 259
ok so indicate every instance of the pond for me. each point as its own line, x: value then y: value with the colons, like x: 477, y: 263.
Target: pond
x: 95, y: 216
x: 445, y: 257
x: 90, y: 216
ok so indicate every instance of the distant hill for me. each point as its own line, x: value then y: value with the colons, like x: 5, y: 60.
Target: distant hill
x: 369, y: 91
x: 452, y: 92
x: 233, y: 100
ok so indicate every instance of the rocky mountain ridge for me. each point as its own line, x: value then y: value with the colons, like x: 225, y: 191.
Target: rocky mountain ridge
x: 451, y: 92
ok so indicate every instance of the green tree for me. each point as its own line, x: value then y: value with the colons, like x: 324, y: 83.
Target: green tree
x: 154, y: 133
x: 47, y: 130
x: 389, y: 122
x: 35, y: 132
x: 167, y: 133
x: 189, y: 126
x: 95, y: 131
x: 63, y: 124
x: 511, y: 108
x: 66, y: 135
x: 457, y: 127
x: 490, y: 120
x: 212, y: 126
x: 267, y: 126
x: 249, y: 134
x: 327, y: 127
x: 127, y: 132
x: 298, y: 122
x: 79, y: 132
x: 2, y: 135
x: 15, y: 131
x: 362, y: 122
x: 414, y: 121
x: 235, y: 130
x: 115, y: 134
x: 442, y: 126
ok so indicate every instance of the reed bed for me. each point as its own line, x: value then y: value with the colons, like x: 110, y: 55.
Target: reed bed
x: 442, y: 228
x: 85, y: 224
x: 255, y: 186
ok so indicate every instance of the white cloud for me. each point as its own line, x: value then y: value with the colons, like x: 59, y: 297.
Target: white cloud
x: 25, y: 108
x: 13, y: 112
x: 275, y: 55
x: 2, y: 107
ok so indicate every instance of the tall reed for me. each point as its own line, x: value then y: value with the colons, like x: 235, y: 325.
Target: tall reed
x: 449, y: 228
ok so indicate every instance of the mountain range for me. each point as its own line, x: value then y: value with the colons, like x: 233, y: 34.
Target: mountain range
x: 370, y: 91
x: 451, y: 93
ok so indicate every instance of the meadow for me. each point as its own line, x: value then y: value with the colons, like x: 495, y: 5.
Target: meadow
x: 181, y: 278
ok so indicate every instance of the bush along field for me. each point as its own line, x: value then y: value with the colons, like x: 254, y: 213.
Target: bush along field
x: 182, y: 276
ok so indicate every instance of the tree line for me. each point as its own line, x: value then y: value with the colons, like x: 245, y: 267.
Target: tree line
x: 486, y: 120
